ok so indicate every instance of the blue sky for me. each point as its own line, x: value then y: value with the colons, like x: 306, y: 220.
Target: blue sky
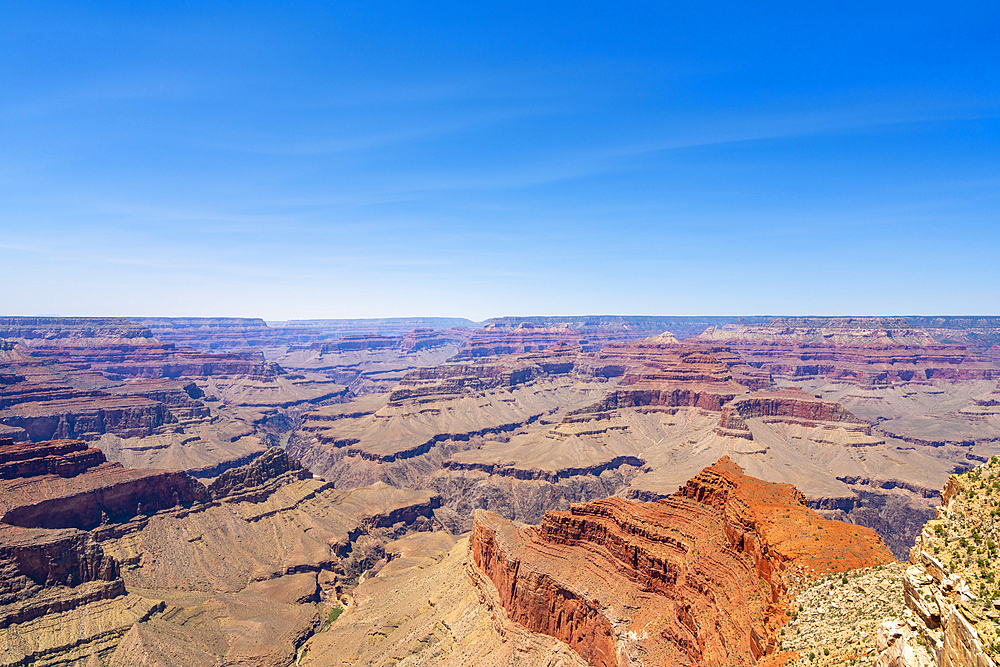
x: 473, y: 160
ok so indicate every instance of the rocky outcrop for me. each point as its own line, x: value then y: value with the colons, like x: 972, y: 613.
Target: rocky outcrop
x: 65, y: 458
x: 62, y: 598
x: 699, y: 577
x: 453, y: 380
x: 63, y: 484
x: 951, y: 585
x: 664, y: 373
x: 271, y: 465
x: 35, y: 561
x: 792, y: 405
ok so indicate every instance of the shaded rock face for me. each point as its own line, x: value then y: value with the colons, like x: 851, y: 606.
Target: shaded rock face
x: 65, y: 458
x: 700, y: 577
x: 794, y: 405
x: 270, y: 465
x: 789, y: 406
x: 34, y: 561
x: 54, y: 576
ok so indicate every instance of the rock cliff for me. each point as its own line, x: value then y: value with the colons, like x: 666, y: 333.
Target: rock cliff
x: 63, y: 484
x: 699, y: 577
x: 951, y: 592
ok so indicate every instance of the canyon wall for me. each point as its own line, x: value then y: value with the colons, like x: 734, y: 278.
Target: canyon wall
x: 699, y: 577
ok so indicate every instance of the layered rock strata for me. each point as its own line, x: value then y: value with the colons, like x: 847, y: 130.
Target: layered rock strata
x: 170, y: 572
x: 699, y: 577
x: 149, y: 403
x: 789, y: 406
x: 869, y: 351
x: 951, y: 586
x: 64, y: 484
x: 62, y: 598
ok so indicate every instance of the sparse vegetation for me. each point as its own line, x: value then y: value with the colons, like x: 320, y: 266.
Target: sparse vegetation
x: 837, y: 616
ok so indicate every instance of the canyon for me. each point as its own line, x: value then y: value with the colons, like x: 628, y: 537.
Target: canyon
x: 540, y: 490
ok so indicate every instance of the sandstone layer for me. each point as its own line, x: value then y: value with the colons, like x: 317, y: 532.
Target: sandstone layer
x: 149, y: 403
x: 431, y: 606
x: 699, y: 577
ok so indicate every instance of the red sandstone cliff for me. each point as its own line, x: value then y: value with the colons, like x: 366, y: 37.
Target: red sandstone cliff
x: 64, y: 484
x: 700, y: 577
x: 662, y: 372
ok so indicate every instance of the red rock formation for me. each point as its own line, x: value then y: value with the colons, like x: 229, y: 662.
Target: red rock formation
x: 456, y: 379
x: 65, y: 458
x: 63, y: 484
x: 862, y: 351
x: 788, y: 405
x: 47, y: 565
x: 662, y: 372
x: 793, y: 404
x: 697, y: 578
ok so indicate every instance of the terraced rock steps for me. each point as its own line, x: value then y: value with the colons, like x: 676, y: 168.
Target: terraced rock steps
x: 108, y: 566
x: 867, y: 351
x: 699, y: 577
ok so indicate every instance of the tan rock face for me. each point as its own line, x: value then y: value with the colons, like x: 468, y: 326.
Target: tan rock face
x: 697, y: 577
x: 431, y: 606
x: 187, y: 575
x: 951, y: 590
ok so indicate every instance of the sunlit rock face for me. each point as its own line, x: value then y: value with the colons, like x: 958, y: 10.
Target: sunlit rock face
x: 699, y: 577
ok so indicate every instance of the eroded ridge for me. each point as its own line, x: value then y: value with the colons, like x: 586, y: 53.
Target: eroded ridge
x: 950, y: 587
x: 700, y: 577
